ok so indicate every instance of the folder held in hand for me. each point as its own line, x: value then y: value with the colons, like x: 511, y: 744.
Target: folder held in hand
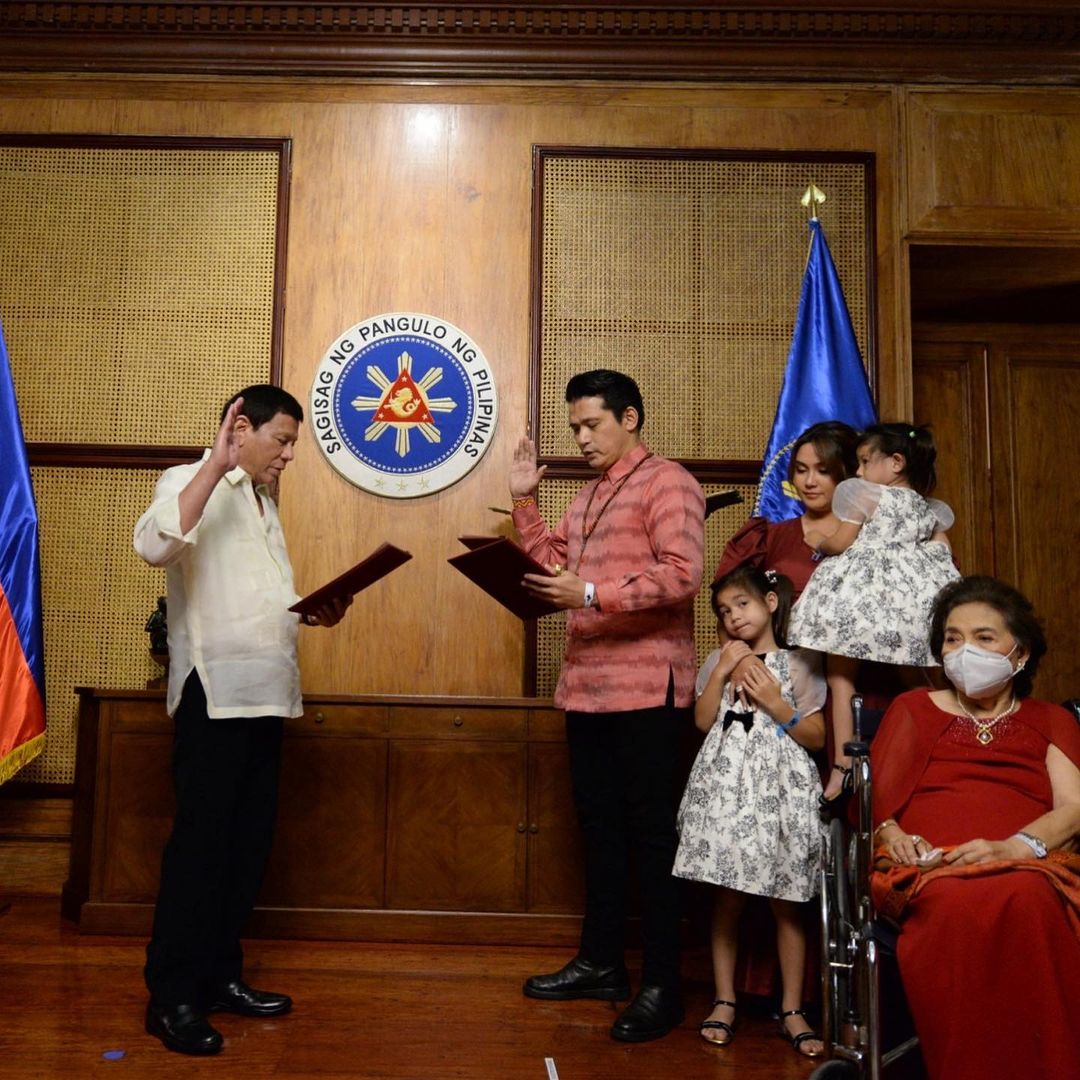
x: 378, y: 564
x: 496, y: 564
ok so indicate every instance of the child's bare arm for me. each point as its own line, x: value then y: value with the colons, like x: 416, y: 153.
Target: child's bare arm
x: 834, y: 544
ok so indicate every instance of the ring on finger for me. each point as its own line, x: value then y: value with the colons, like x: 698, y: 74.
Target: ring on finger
x: 916, y: 839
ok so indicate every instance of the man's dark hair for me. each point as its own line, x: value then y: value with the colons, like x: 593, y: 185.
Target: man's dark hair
x: 619, y: 392
x: 263, y: 402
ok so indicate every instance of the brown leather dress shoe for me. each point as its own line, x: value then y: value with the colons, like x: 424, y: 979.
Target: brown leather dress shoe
x: 580, y: 979
x: 182, y: 1028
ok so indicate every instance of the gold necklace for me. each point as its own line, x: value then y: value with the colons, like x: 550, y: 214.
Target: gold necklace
x: 982, y: 727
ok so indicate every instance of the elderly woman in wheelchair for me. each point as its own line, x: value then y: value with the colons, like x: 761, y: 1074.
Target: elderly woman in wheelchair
x: 976, y: 799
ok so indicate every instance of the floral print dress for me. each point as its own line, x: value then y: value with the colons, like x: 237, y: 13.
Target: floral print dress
x: 873, y: 601
x: 749, y: 817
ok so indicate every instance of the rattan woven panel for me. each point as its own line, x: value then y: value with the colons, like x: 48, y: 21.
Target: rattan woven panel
x: 136, y: 287
x: 96, y: 593
x: 685, y: 274
x: 555, y: 496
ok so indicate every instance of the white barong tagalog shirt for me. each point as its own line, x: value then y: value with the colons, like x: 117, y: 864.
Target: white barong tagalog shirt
x: 230, y: 585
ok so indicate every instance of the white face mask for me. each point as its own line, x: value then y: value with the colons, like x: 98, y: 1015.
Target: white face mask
x: 979, y: 672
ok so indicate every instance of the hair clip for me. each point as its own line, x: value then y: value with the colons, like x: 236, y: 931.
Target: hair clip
x: 770, y: 576
x: 911, y: 434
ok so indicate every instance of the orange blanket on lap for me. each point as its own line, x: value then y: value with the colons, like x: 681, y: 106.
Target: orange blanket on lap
x: 893, y: 886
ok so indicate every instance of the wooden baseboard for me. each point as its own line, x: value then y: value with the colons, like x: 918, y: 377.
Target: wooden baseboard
x: 35, y: 842
x: 430, y: 927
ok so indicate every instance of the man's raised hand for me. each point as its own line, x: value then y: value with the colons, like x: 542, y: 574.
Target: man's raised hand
x: 524, y: 473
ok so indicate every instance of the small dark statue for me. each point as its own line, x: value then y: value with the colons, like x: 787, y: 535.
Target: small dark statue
x: 158, y: 628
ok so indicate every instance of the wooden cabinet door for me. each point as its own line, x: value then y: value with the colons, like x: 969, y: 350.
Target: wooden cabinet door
x: 1004, y: 403
x: 556, y: 871
x: 456, y: 825
x: 950, y: 387
x: 137, y: 816
x: 330, y: 838
x: 1035, y: 417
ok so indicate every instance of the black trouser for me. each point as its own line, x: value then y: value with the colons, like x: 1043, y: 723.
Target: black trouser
x: 226, y: 778
x: 624, y: 768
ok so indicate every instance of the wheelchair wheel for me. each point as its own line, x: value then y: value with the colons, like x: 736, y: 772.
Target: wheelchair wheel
x: 835, y: 1070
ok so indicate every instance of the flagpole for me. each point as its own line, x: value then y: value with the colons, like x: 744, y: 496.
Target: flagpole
x: 812, y: 197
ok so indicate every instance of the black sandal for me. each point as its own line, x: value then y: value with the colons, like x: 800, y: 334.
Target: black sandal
x: 718, y: 1025
x: 797, y: 1040
x: 845, y: 786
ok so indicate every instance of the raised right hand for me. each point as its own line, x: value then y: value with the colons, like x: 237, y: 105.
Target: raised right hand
x: 524, y: 473
x: 225, y: 454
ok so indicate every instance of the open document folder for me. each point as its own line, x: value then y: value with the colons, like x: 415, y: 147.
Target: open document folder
x: 497, y: 565
x: 378, y: 564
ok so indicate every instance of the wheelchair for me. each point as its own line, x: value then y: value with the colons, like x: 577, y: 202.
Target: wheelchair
x: 864, y: 1018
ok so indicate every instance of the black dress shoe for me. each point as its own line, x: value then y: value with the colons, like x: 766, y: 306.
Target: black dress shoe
x: 238, y: 997
x: 651, y: 1015
x: 182, y: 1028
x: 580, y: 979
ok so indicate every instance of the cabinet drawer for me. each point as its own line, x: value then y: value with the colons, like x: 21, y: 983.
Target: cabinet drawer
x: 339, y: 720
x: 448, y: 723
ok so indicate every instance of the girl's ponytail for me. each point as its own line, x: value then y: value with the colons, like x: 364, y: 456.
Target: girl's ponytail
x: 782, y: 585
x: 914, y: 444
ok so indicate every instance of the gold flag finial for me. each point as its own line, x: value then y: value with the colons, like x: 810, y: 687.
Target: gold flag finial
x: 812, y: 198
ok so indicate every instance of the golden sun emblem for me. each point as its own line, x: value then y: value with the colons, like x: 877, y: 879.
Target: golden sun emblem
x: 404, y: 404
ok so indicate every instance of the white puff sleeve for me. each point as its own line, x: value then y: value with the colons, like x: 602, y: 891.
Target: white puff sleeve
x: 807, y: 680
x: 943, y: 513
x: 707, y: 668
x: 855, y: 500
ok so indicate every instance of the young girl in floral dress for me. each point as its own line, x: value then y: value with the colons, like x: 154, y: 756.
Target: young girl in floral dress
x: 873, y: 601
x: 749, y: 820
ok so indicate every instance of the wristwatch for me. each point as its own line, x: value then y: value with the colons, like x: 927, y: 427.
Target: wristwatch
x: 1033, y: 842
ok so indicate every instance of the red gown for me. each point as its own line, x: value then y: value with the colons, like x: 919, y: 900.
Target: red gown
x: 990, y: 965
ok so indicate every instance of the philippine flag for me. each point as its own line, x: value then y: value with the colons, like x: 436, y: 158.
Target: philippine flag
x: 22, y: 658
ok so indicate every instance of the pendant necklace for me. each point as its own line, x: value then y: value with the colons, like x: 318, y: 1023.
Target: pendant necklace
x: 587, y: 531
x: 982, y: 727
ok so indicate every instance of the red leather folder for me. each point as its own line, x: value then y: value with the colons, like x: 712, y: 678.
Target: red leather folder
x: 378, y: 564
x: 496, y: 564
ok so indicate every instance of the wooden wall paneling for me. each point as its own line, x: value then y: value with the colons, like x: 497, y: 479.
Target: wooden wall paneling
x: 951, y: 394
x: 407, y: 197
x: 997, y: 163
x: 1035, y: 390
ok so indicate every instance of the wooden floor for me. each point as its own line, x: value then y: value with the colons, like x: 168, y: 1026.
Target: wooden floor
x: 376, y: 1012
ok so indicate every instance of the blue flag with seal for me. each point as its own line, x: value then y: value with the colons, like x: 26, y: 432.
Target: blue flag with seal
x: 824, y: 379
x: 22, y: 660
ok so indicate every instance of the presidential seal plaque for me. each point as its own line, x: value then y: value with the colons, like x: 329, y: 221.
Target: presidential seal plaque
x: 404, y: 404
